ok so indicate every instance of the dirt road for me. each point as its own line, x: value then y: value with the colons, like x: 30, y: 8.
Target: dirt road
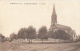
x: 7, y: 46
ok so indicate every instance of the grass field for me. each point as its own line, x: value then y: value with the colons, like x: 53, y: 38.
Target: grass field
x: 10, y: 46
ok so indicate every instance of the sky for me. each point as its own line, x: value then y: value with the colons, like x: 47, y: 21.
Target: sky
x: 37, y: 13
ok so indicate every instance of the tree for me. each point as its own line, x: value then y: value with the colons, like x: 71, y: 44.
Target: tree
x: 28, y: 33
x: 42, y: 33
x: 31, y: 33
x: 13, y: 36
x: 78, y: 38
x: 2, y: 38
x: 22, y: 33
x: 51, y: 34
x: 61, y: 34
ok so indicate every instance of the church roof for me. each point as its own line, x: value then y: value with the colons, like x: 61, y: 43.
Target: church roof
x: 63, y: 27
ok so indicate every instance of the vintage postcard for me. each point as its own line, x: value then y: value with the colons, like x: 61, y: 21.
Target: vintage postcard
x: 39, y: 25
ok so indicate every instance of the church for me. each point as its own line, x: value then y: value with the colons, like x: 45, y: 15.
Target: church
x: 55, y: 26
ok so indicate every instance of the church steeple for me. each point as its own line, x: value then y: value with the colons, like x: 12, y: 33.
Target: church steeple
x: 54, y: 16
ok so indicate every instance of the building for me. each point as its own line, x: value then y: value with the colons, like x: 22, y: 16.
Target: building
x: 55, y: 26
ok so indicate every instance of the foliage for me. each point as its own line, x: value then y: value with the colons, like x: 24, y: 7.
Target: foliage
x: 60, y: 34
x: 51, y: 34
x: 42, y: 33
x: 2, y: 38
x: 31, y: 32
x: 22, y: 33
x: 13, y: 36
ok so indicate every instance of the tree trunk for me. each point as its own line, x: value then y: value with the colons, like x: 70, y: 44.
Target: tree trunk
x: 55, y: 40
x: 27, y: 39
x: 31, y: 40
x: 59, y: 40
x: 42, y: 40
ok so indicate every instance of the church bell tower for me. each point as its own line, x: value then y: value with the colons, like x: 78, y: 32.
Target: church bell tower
x: 53, y: 17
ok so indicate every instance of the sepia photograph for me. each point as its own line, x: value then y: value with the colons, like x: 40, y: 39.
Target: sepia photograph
x: 39, y: 25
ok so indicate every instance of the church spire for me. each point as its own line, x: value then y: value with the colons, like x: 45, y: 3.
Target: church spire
x: 54, y: 16
x: 54, y: 8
